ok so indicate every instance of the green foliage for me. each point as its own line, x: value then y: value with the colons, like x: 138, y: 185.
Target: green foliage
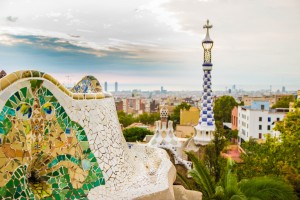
x: 284, y: 102
x: 175, y: 117
x: 264, y: 166
x: 229, y: 183
x: 212, y: 152
x: 136, y: 134
x: 125, y: 119
x: 228, y: 188
x: 261, y: 159
x: 297, y: 104
x: 231, y: 134
x: 275, y: 157
x: 266, y: 188
x: 188, y: 183
x: 223, y: 107
x: 290, y: 148
x: 201, y: 176
x: 145, y: 118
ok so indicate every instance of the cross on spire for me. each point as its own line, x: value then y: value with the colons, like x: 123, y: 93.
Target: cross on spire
x: 207, y: 26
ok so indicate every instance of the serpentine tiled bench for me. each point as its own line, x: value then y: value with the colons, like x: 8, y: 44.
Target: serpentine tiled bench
x: 61, y: 144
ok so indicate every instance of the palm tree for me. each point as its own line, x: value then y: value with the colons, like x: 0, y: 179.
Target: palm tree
x: 258, y: 188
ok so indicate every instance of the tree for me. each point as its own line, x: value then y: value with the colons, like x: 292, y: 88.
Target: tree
x: 223, y: 107
x: 297, y: 103
x: 136, y: 134
x: 231, y: 134
x: 212, y: 152
x: 267, y: 188
x: 290, y: 148
x: 175, y: 117
x: 146, y: 118
x: 284, y: 102
x: 276, y: 156
x: 126, y: 119
x: 242, y: 103
x: 260, y: 159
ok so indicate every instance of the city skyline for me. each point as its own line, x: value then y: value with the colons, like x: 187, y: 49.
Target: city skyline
x: 144, y: 45
x: 150, y: 88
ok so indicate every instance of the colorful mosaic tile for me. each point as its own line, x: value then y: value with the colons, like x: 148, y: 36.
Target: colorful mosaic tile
x: 46, y: 155
x: 89, y: 84
x: 43, y: 153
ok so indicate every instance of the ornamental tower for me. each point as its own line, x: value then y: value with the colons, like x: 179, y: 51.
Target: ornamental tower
x: 165, y: 138
x: 206, y: 124
x: 164, y: 133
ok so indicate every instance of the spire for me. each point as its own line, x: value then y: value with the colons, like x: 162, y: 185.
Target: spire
x: 206, y: 125
x: 164, y: 113
x: 207, y: 26
x: 207, y: 44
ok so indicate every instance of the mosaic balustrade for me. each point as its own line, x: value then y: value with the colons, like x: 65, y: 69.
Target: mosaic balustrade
x: 61, y: 144
x: 44, y: 154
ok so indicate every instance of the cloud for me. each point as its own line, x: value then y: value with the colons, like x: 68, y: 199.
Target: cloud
x: 141, y: 51
x: 86, y: 31
x: 252, y: 38
x: 53, y: 15
x: 162, y: 14
x: 63, y: 45
x: 8, y: 40
x: 142, y: 37
x: 11, y: 19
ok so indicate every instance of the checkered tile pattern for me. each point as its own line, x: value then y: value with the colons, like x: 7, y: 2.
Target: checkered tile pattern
x: 207, y: 114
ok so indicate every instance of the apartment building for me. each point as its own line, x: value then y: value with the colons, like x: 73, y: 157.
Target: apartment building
x: 257, y: 120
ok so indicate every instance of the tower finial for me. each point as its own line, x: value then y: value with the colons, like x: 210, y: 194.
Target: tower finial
x: 207, y: 26
x: 207, y: 44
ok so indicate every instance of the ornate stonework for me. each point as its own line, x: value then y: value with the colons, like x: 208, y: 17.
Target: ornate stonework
x: 206, y: 125
x: 165, y: 138
x: 56, y: 144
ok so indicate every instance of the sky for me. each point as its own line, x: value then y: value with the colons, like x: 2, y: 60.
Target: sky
x: 145, y: 44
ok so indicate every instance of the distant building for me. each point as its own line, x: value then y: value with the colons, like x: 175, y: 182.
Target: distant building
x: 146, y: 102
x: 234, y: 118
x: 272, y: 99
x: 116, y: 86
x: 154, y: 106
x: 142, y: 107
x: 105, y: 86
x: 2, y: 73
x: 119, y: 105
x: 162, y: 91
x: 136, y: 92
x: 233, y: 87
x: 133, y: 105
x: 189, y: 100
x: 189, y: 117
x: 292, y: 104
x: 283, y: 89
x: 184, y: 131
x: 258, y: 119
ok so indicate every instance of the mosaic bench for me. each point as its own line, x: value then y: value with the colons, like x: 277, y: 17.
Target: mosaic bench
x: 57, y: 143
